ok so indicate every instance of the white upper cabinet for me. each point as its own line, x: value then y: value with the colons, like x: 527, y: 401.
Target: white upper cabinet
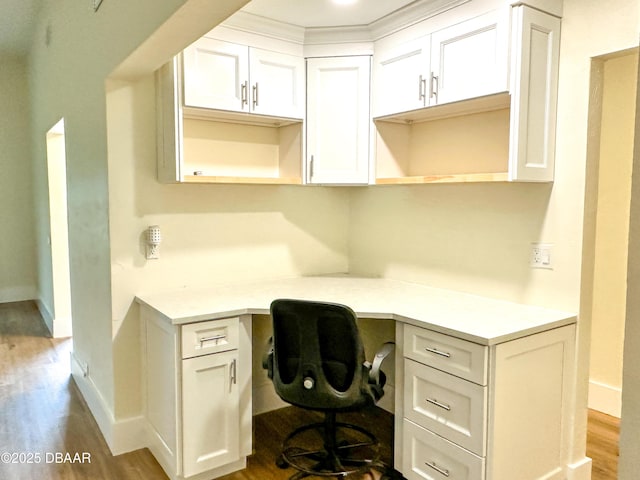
x: 277, y: 83
x: 338, y: 120
x: 227, y: 76
x: 216, y: 75
x: 534, y: 90
x: 470, y: 59
x: 466, y: 60
x: 400, y: 76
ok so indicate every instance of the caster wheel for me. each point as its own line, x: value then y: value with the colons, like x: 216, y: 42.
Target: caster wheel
x: 281, y: 463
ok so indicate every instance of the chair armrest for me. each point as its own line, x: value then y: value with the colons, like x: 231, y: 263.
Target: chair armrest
x: 383, y: 353
x: 267, y: 358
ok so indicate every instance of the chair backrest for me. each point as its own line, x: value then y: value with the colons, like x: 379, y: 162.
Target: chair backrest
x: 318, y: 356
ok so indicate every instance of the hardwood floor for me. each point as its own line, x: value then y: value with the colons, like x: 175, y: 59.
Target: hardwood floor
x: 603, y: 432
x: 43, y: 417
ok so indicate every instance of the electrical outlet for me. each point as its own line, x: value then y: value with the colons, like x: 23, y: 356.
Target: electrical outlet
x: 541, y: 256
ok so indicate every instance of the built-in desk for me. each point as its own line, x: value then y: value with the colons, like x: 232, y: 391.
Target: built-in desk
x: 483, y: 388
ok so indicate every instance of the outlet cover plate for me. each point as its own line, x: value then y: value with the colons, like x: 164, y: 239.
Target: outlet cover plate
x: 541, y: 255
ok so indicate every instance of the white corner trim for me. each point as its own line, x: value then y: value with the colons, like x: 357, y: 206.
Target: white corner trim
x: 580, y: 470
x: 121, y: 436
x: 605, y: 398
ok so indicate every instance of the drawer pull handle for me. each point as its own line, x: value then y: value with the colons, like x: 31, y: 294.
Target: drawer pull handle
x: 435, y: 402
x: 233, y: 372
x: 213, y: 338
x: 440, y: 470
x: 438, y: 352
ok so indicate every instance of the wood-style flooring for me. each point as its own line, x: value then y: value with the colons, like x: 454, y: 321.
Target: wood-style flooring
x: 44, y: 421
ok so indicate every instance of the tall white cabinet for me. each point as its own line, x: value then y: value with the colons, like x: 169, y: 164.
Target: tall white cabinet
x: 338, y: 120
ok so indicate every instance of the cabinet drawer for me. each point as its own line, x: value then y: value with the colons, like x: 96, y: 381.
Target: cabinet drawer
x: 449, y: 406
x: 461, y: 358
x: 426, y: 456
x: 212, y: 336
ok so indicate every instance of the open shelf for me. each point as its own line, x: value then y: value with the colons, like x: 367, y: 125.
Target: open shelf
x: 223, y: 152
x: 457, y: 143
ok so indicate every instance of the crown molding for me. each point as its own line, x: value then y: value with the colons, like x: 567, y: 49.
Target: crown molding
x: 251, y: 23
x: 333, y: 35
x: 411, y: 14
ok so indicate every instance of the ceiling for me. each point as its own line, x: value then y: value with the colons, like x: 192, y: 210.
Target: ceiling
x: 18, y: 17
x: 17, y: 24
x: 325, y: 13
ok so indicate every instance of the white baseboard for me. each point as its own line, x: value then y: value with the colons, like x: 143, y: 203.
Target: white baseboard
x: 605, y: 398
x: 121, y: 436
x: 46, y: 315
x: 579, y: 470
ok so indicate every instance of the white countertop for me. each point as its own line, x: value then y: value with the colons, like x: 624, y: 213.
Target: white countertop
x: 474, y: 318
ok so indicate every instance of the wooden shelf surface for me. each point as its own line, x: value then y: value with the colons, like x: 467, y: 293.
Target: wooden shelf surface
x: 242, y: 180
x: 452, y: 178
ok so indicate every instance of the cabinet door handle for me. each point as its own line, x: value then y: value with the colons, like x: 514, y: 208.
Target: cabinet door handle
x: 435, y: 402
x: 255, y: 95
x: 422, y: 87
x: 243, y: 94
x: 311, y: 162
x: 440, y: 470
x: 433, y: 87
x: 233, y: 378
x: 215, y: 338
x: 438, y: 352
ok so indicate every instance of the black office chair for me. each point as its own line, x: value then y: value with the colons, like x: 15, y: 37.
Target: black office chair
x: 316, y: 360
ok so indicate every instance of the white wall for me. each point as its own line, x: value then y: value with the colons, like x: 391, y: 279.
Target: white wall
x: 211, y: 234
x: 17, y: 245
x: 629, y: 462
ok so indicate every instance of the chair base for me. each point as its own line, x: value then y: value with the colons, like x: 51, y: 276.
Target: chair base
x: 332, y: 449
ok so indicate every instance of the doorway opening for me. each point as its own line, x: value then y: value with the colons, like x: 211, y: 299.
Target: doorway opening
x: 614, y: 78
x: 59, y: 231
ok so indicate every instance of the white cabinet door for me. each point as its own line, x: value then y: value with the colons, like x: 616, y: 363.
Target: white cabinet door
x: 210, y: 412
x: 216, y: 75
x: 534, y: 79
x: 228, y: 76
x: 400, y: 76
x: 277, y: 84
x: 338, y: 120
x: 470, y: 59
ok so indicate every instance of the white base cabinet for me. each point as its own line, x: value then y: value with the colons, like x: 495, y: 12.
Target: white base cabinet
x: 197, y: 380
x: 507, y: 417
